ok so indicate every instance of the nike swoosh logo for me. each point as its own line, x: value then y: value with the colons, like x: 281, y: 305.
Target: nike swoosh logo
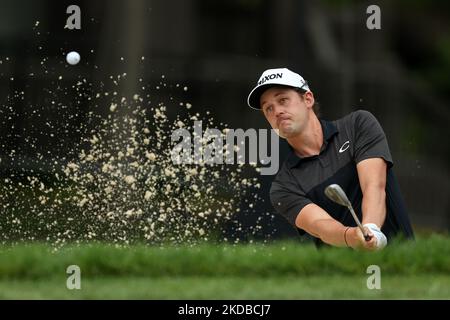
x: 345, y: 146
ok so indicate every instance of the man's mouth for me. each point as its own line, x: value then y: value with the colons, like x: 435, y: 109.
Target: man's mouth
x: 281, y: 120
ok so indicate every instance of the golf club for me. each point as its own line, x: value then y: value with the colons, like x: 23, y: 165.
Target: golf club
x: 335, y: 193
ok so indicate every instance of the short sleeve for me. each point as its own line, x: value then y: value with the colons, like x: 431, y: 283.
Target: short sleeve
x: 287, y: 198
x: 370, y: 140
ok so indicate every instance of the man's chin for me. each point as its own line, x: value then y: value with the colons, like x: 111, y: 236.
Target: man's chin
x: 280, y: 134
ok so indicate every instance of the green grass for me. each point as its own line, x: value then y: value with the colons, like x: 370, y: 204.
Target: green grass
x: 289, y: 287
x: 409, y: 270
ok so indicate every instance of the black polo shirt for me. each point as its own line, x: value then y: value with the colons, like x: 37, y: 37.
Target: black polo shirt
x: 347, y: 141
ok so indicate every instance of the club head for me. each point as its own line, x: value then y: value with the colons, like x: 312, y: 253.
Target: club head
x: 335, y: 193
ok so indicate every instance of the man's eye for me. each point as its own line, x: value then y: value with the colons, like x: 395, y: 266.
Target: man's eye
x: 269, y: 109
x: 283, y: 100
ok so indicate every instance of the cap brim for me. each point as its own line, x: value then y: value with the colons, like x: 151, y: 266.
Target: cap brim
x: 255, y: 95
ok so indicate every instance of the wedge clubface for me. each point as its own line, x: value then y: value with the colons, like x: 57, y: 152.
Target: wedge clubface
x: 335, y: 193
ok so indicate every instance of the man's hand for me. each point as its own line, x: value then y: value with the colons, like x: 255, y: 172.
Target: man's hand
x: 381, y: 238
x: 355, y: 239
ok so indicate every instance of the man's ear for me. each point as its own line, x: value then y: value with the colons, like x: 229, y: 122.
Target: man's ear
x: 309, y: 98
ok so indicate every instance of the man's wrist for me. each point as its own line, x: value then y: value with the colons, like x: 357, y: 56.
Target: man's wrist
x: 352, y: 237
x: 371, y: 225
x: 345, y: 236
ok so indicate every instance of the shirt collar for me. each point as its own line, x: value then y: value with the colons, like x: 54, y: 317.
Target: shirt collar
x: 329, y: 129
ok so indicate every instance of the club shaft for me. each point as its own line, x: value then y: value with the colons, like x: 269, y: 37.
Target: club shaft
x: 357, y: 220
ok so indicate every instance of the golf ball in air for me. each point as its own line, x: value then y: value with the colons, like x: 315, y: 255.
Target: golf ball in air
x: 73, y: 57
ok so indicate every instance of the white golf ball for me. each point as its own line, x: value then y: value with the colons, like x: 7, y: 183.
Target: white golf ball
x: 73, y: 57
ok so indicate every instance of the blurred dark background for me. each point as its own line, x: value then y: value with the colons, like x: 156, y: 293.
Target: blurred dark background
x: 218, y: 49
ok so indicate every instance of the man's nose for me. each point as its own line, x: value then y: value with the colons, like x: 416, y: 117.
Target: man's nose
x: 278, y: 110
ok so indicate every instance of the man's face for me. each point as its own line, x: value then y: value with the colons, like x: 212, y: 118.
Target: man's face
x: 286, y: 110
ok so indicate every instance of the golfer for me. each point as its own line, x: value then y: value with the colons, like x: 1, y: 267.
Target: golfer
x: 351, y: 152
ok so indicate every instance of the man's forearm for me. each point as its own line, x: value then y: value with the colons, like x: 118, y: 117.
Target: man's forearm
x: 374, y: 206
x: 330, y: 231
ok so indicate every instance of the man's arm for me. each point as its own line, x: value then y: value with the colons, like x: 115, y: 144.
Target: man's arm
x: 317, y: 222
x: 372, y: 179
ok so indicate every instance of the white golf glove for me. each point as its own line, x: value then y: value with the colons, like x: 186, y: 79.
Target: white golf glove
x: 381, y: 238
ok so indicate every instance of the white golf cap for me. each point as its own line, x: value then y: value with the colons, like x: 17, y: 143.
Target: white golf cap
x: 271, y: 77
